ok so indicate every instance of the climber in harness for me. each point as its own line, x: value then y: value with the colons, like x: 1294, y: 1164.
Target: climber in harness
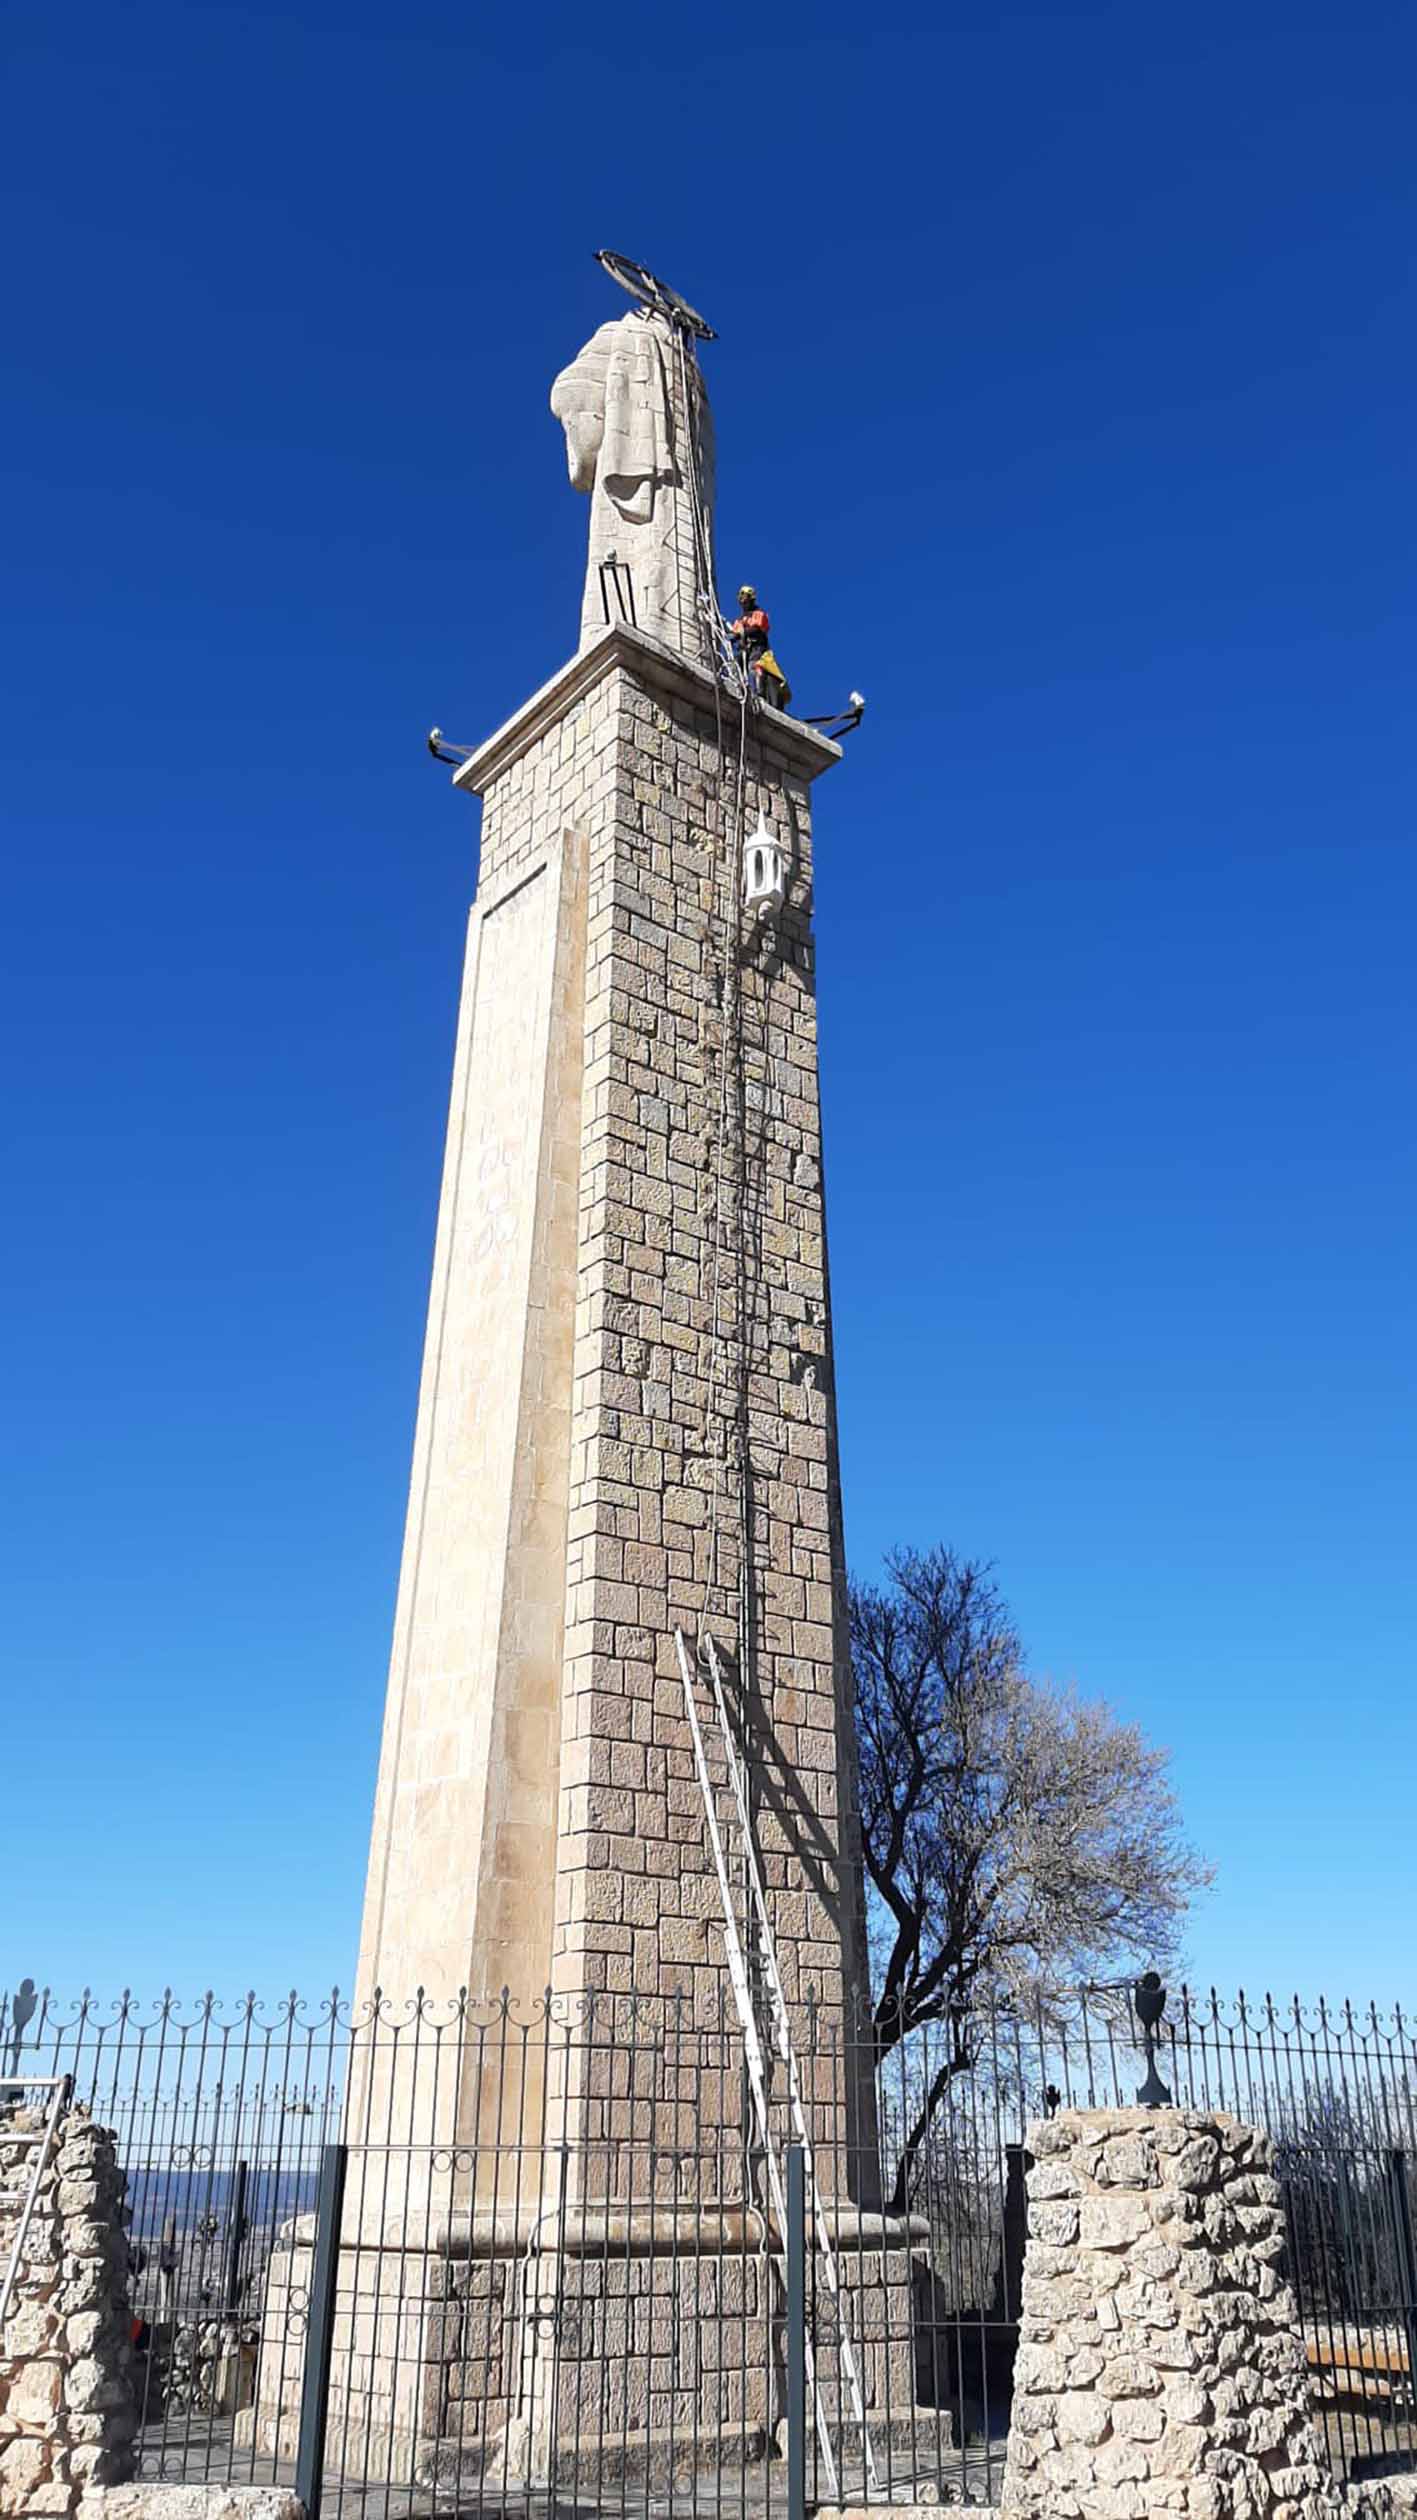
x: 751, y: 634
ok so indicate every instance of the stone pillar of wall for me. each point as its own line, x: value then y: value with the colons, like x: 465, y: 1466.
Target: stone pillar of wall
x: 67, y: 2408
x: 1160, y: 2364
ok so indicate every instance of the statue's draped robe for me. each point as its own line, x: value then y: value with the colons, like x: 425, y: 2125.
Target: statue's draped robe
x: 622, y: 402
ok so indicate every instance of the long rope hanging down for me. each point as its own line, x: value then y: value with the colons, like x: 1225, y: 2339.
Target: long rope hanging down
x: 725, y: 1408
x: 725, y: 1422
x: 754, y: 1975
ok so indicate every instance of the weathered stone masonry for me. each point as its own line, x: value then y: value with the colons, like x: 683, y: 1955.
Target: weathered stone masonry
x: 67, y: 2411
x: 537, y: 1817
x: 1160, y: 2365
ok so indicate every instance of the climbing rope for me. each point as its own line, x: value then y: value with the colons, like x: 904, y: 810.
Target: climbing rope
x: 725, y: 1406
x: 726, y: 1428
x: 752, y: 1961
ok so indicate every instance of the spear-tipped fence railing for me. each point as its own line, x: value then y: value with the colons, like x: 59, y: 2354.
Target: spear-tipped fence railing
x: 558, y: 2273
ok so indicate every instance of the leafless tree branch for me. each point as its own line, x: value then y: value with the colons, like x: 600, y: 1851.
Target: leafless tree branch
x: 1017, y: 1837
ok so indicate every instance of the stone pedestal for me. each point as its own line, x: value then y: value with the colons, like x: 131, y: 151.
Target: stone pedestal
x: 626, y: 1426
x: 627, y: 1416
x: 583, y: 2346
x: 1160, y: 2365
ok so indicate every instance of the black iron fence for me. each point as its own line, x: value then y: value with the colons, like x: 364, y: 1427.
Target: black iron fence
x: 455, y: 2257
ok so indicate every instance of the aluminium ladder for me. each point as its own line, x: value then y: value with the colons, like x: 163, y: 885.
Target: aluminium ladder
x: 782, y: 2040
x: 60, y: 2088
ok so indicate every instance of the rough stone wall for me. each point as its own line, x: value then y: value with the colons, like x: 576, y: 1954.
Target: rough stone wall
x: 67, y: 2411
x: 1160, y: 2366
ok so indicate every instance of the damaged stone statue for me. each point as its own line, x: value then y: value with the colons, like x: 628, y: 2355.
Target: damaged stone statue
x: 639, y: 439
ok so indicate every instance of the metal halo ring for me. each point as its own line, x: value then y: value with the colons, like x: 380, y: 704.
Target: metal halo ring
x: 640, y: 282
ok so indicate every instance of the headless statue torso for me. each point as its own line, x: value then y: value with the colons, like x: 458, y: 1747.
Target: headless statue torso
x: 639, y: 439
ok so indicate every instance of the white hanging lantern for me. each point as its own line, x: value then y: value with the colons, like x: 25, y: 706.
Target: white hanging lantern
x: 764, y: 871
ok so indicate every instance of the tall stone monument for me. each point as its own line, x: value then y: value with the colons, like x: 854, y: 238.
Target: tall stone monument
x: 626, y: 1427
x: 627, y: 1419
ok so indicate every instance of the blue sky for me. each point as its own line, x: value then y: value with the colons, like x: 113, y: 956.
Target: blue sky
x: 1064, y: 404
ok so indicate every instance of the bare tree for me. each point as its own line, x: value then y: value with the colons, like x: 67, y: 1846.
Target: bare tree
x: 1016, y: 1836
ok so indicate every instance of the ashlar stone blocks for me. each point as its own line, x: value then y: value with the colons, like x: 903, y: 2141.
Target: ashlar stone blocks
x: 630, y: 1325
x: 626, y: 1426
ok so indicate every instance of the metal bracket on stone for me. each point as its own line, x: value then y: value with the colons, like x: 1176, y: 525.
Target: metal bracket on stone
x: 616, y: 581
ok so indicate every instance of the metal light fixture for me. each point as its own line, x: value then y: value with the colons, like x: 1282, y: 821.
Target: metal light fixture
x: 764, y: 871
